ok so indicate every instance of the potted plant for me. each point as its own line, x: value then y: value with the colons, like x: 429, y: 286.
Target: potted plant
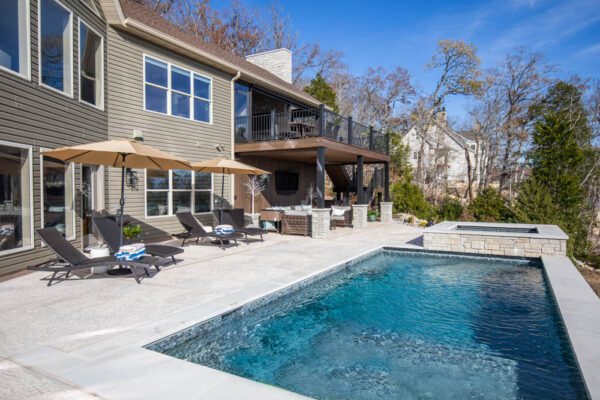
x: 372, y: 215
x: 131, y: 231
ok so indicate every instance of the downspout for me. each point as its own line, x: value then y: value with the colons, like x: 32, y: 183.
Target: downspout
x: 235, y: 78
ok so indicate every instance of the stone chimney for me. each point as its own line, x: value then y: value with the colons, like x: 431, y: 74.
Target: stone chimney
x: 440, y: 115
x: 278, y: 62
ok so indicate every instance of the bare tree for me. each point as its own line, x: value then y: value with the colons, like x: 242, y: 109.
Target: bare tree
x: 277, y: 25
x: 378, y: 95
x: 458, y: 64
x: 255, y: 186
x: 521, y: 79
x: 310, y: 58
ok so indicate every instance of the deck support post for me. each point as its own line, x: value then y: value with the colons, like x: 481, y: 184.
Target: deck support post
x: 249, y: 127
x: 360, y: 192
x: 322, y: 120
x: 386, y: 181
x: 349, y: 130
x: 320, y: 177
x: 273, y: 116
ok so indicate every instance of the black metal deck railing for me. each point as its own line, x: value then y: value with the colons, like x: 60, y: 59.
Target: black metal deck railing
x: 298, y: 124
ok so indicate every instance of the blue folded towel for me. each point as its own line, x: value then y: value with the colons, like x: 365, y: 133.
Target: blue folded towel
x: 223, y: 230
x: 131, y: 252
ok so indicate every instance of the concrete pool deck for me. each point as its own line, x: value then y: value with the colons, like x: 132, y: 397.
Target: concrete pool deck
x: 83, y: 338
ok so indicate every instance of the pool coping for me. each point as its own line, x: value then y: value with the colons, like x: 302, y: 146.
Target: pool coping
x: 577, y: 303
x: 579, y: 308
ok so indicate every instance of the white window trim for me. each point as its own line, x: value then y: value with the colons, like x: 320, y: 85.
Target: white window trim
x: 170, y: 90
x: 31, y: 211
x: 27, y: 74
x: 170, y: 192
x: 74, y: 236
x: 64, y: 93
x: 79, y: 22
x: 92, y: 7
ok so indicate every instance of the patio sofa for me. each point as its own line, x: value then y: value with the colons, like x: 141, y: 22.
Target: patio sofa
x: 341, y: 216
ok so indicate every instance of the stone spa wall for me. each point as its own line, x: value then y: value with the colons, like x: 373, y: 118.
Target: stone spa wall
x: 550, y: 241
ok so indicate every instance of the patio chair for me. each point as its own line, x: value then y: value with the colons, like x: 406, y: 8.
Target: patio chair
x: 109, y: 231
x: 70, y: 259
x: 193, y: 230
x: 235, y: 218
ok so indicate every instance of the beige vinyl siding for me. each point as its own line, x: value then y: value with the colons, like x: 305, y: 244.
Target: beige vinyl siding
x: 175, y: 135
x: 42, y: 118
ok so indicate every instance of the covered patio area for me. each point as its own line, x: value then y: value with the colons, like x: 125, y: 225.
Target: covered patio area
x: 312, y: 158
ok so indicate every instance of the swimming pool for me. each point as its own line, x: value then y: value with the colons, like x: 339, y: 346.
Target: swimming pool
x: 401, y: 325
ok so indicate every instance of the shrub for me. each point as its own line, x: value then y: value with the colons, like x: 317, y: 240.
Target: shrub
x: 409, y: 198
x: 490, y: 206
x: 131, y: 231
x: 450, y: 209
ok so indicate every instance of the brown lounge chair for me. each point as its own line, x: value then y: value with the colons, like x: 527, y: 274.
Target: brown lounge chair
x: 70, y: 259
x: 109, y: 231
x: 193, y: 230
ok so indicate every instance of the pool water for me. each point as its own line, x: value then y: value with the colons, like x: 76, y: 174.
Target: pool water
x: 403, y: 325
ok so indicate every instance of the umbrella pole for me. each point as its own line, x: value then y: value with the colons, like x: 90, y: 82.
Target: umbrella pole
x: 222, y: 197
x: 122, y: 201
x: 121, y: 270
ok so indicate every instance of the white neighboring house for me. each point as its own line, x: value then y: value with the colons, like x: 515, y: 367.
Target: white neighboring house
x: 451, y: 150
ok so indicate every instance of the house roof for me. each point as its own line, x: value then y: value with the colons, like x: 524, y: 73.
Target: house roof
x: 461, y: 138
x: 134, y: 17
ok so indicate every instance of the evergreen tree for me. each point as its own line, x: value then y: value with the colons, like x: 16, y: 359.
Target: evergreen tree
x: 534, y: 205
x: 557, y: 162
x: 320, y: 90
x: 490, y: 206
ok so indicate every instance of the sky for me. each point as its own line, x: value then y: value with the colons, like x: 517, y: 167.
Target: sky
x: 405, y: 33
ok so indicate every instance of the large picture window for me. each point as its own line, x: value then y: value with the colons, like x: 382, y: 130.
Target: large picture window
x: 170, y: 192
x: 171, y: 90
x: 91, y: 66
x: 58, y: 196
x: 56, y: 46
x: 14, y: 36
x: 15, y: 197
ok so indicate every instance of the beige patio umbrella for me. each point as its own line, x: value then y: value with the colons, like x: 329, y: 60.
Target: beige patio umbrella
x: 124, y: 153
x: 224, y: 166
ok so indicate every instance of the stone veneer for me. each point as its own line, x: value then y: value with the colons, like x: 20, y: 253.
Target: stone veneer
x: 320, y: 222
x: 359, y: 216
x: 386, y: 211
x: 277, y: 62
x: 550, y: 240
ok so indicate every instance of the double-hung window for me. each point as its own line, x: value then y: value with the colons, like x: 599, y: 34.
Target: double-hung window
x: 14, y: 36
x: 172, y: 90
x: 56, y: 46
x: 170, y: 192
x: 91, y: 66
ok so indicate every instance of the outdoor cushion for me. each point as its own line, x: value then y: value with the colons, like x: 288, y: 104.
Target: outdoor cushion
x: 338, y: 212
x: 294, y: 212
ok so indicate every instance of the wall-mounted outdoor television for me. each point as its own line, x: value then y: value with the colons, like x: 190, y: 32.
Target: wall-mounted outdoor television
x: 286, y: 182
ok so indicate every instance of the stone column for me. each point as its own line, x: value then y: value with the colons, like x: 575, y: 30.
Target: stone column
x: 320, y: 222
x: 386, y: 211
x: 359, y: 216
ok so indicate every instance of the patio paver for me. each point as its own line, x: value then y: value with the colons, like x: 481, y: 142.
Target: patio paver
x: 71, y: 327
